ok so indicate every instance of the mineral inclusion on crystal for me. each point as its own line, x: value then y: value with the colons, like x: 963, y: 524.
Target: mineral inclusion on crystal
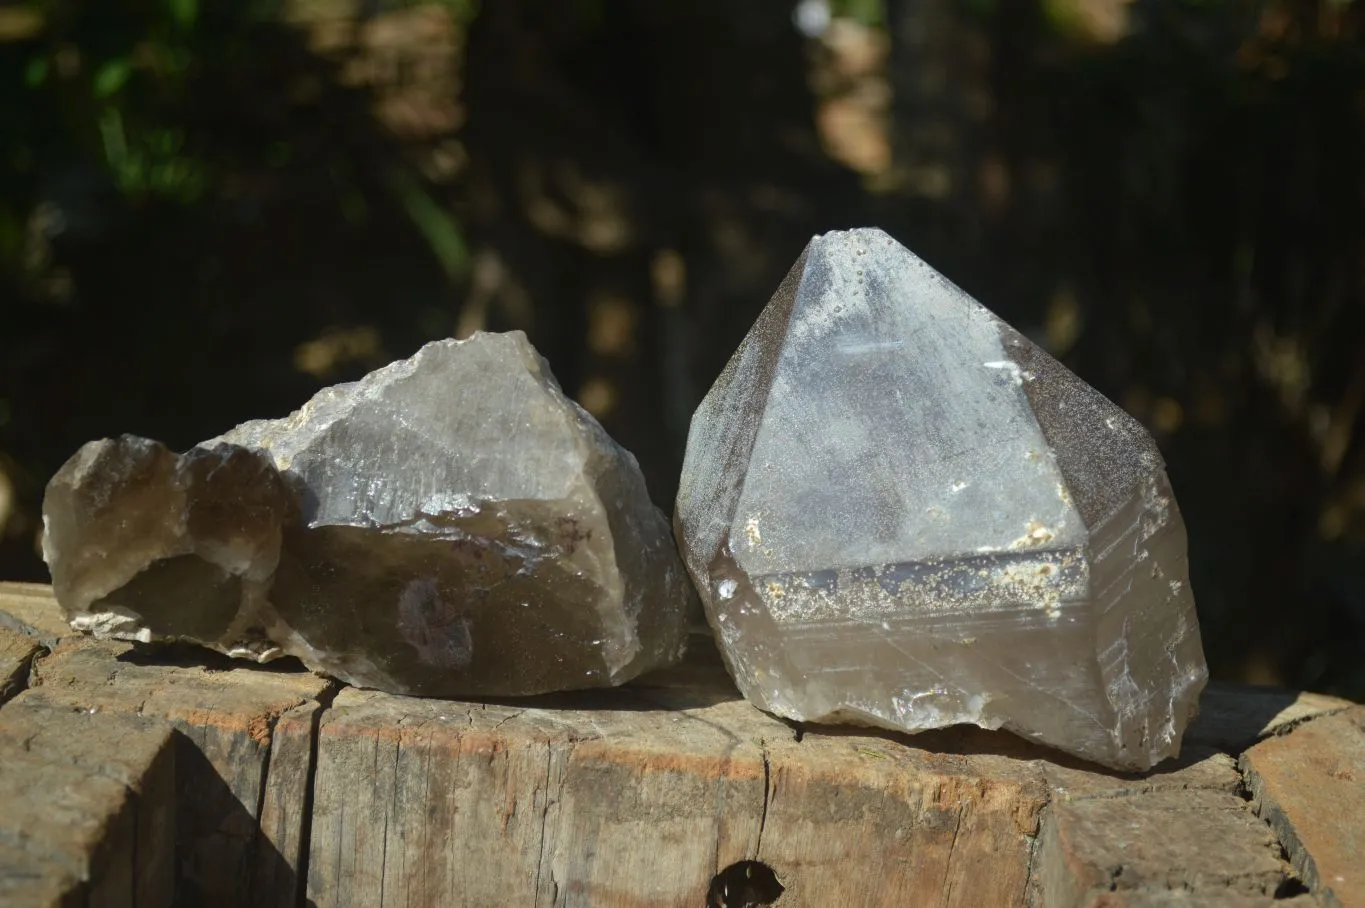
x: 450, y: 524
x: 902, y: 513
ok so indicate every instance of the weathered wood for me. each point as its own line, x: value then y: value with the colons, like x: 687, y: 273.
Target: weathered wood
x: 1188, y: 841
x: 16, y: 654
x: 88, y: 803
x: 641, y: 796
x: 641, y: 800
x: 706, y: 781
x: 1232, y: 717
x: 1180, y: 898
x: 245, y: 737
x: 228, y: 720
x: 1309, y: 785
x: 285, y: 818
x: 29, y: 609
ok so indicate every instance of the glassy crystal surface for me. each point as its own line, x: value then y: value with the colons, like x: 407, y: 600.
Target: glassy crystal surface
x: 902, y: 513
x: 451, y: 524
x: 146, y: 543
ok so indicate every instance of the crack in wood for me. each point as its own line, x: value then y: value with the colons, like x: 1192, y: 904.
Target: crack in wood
x: 946, y: 887
x: 388, y: 814
x: 271, y: 722
x: 503, y: 721
x: 767, y: 798
x: 324, y: 701
x: 544, y: 818
x: 1030, y: 867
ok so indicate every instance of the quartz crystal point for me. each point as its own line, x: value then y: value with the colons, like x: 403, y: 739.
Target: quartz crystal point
x: 451, y: 524
x: 902, y: 513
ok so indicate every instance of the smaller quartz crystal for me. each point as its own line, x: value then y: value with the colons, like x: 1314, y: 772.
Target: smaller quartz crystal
x: 451, y: 524
x: 902, y: 513
x: 144, y: 542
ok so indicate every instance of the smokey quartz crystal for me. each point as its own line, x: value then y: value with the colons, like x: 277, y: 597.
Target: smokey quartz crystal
x: 451, y: 524
x: 145, y: 543
x: 902, y: 513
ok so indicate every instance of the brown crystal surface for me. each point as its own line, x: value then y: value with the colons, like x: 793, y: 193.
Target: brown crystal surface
x: 451, y: 524
x: 902, y: 513
x: 145, y: 543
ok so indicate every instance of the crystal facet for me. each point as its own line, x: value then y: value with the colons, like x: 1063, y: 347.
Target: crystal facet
x: 143, y: 542
x: 902, y: 513
x: 451, y: 524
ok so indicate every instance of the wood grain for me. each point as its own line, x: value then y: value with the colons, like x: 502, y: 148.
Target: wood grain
x: 227, y: 722
x: 29, y: 609
x: 282, y: 790
x: 641, y: 800
x: 88, y: 803
x: 1309, y: 785
x: 16, y: 655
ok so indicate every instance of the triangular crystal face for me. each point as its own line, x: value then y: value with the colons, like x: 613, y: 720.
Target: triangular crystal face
x: 900, y: 512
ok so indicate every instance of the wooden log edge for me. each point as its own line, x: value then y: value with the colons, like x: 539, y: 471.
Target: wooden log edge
x: 290, y: 789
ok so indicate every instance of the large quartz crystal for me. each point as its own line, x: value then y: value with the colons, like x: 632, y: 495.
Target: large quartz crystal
x: 902, y: 513
x: 451, y: 524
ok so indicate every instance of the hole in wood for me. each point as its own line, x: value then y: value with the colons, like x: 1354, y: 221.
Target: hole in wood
x: 744, y: 884
x: 1290, y: 888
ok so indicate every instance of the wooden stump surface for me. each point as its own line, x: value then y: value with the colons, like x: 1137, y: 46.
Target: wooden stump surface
x: 142, y: 777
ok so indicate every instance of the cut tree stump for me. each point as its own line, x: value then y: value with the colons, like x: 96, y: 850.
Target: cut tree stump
x: 270, y: 786
x: 16, y: 655
x: 91, y: 798
x: 1310, y: 786
x: 244, y: 739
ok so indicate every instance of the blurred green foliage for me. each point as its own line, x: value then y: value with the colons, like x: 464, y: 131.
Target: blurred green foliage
x: 115, y: 83
x: 128, y: 93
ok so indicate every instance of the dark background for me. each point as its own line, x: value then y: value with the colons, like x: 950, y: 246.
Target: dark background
x: 208, y: 210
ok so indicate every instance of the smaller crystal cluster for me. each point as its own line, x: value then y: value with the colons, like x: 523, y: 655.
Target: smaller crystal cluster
x: 902, y: 513
x: 451, y: 524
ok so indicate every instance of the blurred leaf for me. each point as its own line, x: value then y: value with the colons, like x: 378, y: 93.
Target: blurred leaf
x: 112, y: 76
x: 871, y: 13
x: 11, y: 234
x: 184, y: 12
x: 353, y: 207
x: 167, y: 142
x: 462, y: 11
x: 35, y: 74
x: 23, y: 159
x: 279, y: 154
x: 115, y: 142
x: 435, y: 223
